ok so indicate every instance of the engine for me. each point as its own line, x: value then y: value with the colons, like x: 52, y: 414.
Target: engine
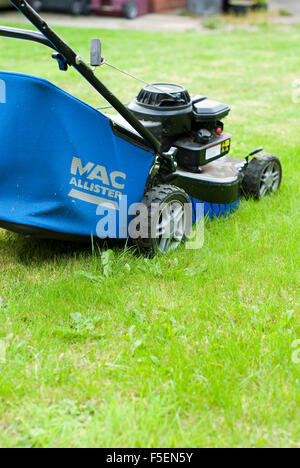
x: 193, y: 124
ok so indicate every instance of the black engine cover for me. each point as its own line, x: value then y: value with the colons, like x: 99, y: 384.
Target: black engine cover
x: 193, y: 125
x: 168, y: 104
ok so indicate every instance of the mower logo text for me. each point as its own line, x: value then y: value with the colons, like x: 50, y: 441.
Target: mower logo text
x: 98, y: 182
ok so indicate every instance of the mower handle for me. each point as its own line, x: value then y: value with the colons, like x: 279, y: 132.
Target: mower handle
x: 53, y: 40
x: 26, y: 35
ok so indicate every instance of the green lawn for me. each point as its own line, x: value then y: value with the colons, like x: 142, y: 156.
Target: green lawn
x: 191, y: 349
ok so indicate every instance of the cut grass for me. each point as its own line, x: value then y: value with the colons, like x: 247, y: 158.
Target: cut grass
x: 191, y: 349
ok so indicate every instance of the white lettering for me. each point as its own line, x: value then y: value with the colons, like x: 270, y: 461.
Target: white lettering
x: 114, y: 176
x: 99, y: 173
x: 77, y: 166
x: 96, y: 172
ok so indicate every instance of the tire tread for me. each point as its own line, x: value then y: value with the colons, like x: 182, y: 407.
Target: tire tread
x: 253, y: 172
x: 155, y: 195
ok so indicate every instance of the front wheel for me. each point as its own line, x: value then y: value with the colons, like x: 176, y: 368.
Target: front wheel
x: 263, y: 176
x: 165, y: 220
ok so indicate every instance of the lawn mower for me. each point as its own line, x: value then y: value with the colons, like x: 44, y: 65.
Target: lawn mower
x: 69, y: 171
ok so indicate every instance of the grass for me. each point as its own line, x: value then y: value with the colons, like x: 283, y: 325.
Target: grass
x: 250, y: 20
x: 191, y: 349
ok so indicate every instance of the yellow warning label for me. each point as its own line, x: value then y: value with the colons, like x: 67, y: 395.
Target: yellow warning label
x: 225, y: 146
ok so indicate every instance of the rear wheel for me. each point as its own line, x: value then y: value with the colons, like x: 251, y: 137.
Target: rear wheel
x: 263, y: 176
x: 166, y: 221
x: 130, y: 10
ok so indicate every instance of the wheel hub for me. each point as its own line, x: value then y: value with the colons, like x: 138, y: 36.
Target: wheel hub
x: 170, y: 229
x: 270, y: 179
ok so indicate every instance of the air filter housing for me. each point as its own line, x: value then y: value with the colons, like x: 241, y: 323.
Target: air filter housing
x: 163, y: 95
x: 167, y: 104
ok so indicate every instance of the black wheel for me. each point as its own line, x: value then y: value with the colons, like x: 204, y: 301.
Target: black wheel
x: 80, y: 7
x: 165, y: 221
x: 130, y: 10
x: 86, y: 8
x: 263, y: 176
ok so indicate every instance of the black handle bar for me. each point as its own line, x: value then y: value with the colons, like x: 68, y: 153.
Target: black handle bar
x: 26, y: 35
